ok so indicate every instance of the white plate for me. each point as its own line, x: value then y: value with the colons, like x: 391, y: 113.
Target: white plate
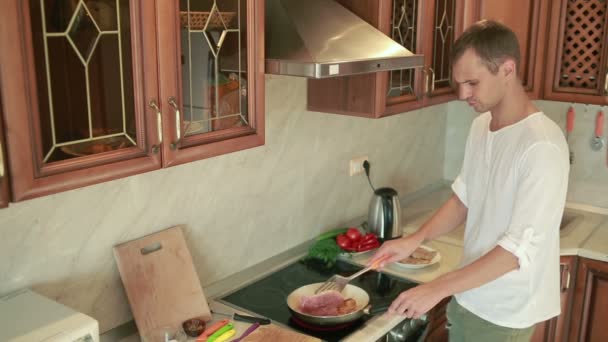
x: 416, y: 266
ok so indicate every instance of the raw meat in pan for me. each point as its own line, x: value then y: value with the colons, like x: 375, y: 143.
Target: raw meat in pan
x: 327, y: 303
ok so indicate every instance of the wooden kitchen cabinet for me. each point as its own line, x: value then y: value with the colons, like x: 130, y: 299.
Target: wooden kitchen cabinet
x: 529, y: 20
x: 423, y: 27
x: 556, y: 329
x: 212, y: 89
x: 97, y: 90
x: 590, y: 304
x: 437, y: 326
x: 577, y: 52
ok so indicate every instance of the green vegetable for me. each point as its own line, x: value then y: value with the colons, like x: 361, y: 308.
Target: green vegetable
x: 325, y: 250
x: 332, y: 233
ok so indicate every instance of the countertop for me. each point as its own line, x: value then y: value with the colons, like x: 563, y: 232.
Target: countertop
x: 585, y: 233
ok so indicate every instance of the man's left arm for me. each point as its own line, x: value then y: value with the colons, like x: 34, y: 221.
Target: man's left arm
x: 420, y: 299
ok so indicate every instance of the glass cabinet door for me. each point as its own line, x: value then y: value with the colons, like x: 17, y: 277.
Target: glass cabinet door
x: 212, y: 102
x: 404, y: 30
x: 76, y: 92
x: 82, y: 56
x: 214, y: 71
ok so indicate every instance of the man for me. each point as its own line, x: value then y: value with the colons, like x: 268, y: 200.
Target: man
x: 511, y: 191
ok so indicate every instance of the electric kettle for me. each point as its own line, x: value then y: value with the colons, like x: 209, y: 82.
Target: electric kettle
x: 384, y: 216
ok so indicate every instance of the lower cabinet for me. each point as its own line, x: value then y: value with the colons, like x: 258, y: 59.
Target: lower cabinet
x: 584, y: 304
x: 590, y: 304
x: 437, y: 331
x: 555, y: 329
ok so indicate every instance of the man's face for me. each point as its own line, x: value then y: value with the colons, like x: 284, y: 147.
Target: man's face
x: 476, y: 84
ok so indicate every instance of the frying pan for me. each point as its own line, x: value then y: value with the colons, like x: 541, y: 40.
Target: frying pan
x: 350, y: 291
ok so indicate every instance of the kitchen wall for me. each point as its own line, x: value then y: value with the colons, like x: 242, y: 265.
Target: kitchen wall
x: 589, y: 173
x: 238, y: 209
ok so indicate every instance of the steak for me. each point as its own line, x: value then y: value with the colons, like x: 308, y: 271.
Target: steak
x: 327, y: 303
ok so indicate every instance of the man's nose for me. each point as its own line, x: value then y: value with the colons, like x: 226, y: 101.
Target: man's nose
x: 463, y: 93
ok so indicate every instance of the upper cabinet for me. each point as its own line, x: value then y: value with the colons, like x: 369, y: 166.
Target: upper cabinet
x: 423, y: 27
x: 95, y: 90
x: 577, y: 68
x: 212, y: 88
x: 529, y: 20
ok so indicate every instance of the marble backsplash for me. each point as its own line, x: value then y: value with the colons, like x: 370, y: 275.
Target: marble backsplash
x: 238, y: 209
x: 588, y: 174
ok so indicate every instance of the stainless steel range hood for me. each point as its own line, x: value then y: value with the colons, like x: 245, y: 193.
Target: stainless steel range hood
x: 321, y: 38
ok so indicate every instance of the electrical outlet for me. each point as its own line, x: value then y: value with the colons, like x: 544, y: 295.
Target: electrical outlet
x: 356, y: 165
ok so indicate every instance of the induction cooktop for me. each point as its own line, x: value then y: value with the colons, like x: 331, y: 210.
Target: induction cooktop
x: 268, y: 296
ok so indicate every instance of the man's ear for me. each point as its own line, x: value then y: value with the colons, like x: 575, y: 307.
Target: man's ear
x: 509, y: 69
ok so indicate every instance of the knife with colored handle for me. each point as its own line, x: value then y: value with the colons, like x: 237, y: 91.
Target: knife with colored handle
x: 211, y: 329
x: 225, y: 336
x: 220, y: 332
x: 244, y: 318
x: 247, y: 332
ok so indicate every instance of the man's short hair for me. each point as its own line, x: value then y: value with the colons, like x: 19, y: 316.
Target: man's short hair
x: 492, y: 41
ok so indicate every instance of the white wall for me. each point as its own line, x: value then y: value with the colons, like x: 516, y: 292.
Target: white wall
x: 239, y: 208
x: 589, y: 172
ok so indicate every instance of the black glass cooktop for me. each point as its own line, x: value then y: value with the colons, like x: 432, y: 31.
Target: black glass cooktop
x: 268, y: 296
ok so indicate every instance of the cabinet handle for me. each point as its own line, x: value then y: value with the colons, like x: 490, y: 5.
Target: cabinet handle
x: 159, y: 125
x: 178, y: 122
x: 432, y: 80
x: 1, y: 161
x: 426, y: 81
x: 606, y: 84
x: 565, y: 284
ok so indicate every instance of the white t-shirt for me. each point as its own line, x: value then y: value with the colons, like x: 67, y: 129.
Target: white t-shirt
x: 513, y: 182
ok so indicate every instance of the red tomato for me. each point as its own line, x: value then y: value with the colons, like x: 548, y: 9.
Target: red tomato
x: 343, y: 241
x: 369, y: 237
x: 366, y: 246
x: 353, y: 234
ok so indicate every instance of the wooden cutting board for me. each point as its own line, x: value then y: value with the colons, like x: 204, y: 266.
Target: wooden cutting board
x: 161, y: 282
x: 267, y: 333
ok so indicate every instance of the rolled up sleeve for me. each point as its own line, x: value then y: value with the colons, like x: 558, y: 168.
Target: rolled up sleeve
x: 460, y: 189
x: 539, y: 202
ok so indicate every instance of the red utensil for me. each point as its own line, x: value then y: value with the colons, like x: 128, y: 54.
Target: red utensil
x: 597, y: 142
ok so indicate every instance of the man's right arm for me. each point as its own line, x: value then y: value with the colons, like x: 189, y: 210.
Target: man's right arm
x: 449, y: 216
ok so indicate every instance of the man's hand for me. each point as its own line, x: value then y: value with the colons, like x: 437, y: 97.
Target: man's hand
x: 416, y: 301
x: 396, y: 250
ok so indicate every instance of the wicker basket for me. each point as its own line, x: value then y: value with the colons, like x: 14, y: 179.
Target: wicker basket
x: 198, y: 20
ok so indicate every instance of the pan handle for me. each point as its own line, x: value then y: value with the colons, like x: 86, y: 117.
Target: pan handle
x: 377, y: 309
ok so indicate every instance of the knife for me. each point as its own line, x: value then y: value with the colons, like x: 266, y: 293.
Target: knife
x: 244, y: 318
